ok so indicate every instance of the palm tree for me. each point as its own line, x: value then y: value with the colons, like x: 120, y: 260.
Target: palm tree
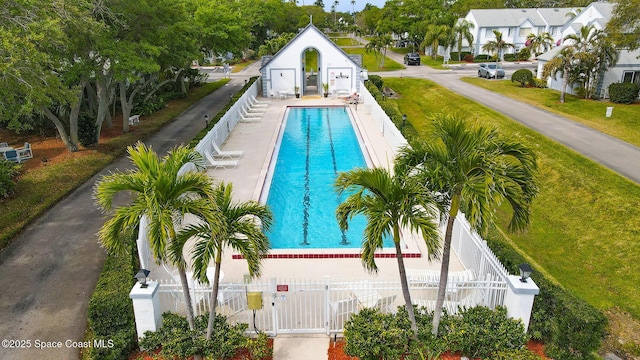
x: 462, y: 31
x: 498, y: 45
x: 160, y: 194
x: 436, y: 35
x: 240, y: 226
x: 535, y: 42
x: 389, y: 202
x: 563, y: 62
x: 473, y: 169
x: 379, y: 45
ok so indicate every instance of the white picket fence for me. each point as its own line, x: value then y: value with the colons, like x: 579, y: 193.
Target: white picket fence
x: 324, y: 305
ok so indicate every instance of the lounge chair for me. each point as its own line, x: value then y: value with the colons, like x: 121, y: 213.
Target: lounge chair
x: 225, y: 164
x: 25, y: 152
x: 256, y: 101
x: 248, y: 119
x: 224, y: 154
x: 13, y: 156
x: 252, y: 111
x: 253, y: 104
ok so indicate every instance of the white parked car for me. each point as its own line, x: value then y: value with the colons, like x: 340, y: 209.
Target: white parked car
x: 491, y: 70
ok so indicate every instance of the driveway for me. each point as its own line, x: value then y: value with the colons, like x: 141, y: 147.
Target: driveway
x: 50, y: 271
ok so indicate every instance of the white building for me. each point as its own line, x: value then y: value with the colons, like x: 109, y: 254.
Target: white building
x: 286, y: 71
x: 627, y: 68
x: 515, y: 25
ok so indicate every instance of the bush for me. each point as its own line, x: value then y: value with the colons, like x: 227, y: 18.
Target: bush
x: 524, y: 54
x: 484, y: 332
x: 8, y: 172
x: 463, y: 54
x: 372, y: 335
x: 377, y: 81
x: 111, y: 311
x: 482, y: 58
x: 259, y: 347
x: 539, y: 83
x: 523, y: 76
x: 510, y: 57
x: 623, y: 93
x: 468, y: 58
x: 520, y: 354
x: 568, y: 325
x: 176, y: 340
x: 87, y: 130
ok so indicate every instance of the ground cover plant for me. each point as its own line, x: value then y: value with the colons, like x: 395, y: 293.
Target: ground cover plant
x: 53, y: 165
x: 584, y: 231
x: 623, y: 124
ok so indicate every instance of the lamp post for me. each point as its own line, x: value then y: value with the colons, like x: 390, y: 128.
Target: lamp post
x: 206, y: 120
x: 141, y: 276
x: 525, y: 272
x: 404, y: 120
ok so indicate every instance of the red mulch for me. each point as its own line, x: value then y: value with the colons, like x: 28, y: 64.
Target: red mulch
x: 336, y: 351
x: 241, y: 354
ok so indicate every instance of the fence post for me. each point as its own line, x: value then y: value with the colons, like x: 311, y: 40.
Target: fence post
x: 327, y: 298
x: 519, y: 298
x: 146, y: 307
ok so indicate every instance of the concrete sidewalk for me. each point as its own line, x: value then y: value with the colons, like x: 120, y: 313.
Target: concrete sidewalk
x: 306, y: 347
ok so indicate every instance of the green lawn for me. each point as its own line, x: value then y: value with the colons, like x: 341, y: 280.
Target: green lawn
x: 584, y: 231
x: 345, y: 41
x: 623, y: 124
x: 33, y: 199
x: 369, y: 60
x: 436, y: 63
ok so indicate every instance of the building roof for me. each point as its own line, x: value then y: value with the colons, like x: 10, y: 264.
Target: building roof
x: 515, y: 17
x: 266, y: 59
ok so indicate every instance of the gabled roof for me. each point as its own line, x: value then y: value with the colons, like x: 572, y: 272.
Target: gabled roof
x: 515, y: 17
x: 300, y: 35
x: 603, y: 8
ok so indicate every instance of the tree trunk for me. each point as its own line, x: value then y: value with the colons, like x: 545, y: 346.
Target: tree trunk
x: 75, y: 112
x: 403, y: 280
x: 214, y: 297
x: 444, y: 269
x: 565, y: 82
x: 103, y: 93
x: 71, y: 147
x: 187, y: 298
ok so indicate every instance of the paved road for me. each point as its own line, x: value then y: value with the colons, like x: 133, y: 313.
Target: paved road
x: 615, y: 154
x: 50, y: 271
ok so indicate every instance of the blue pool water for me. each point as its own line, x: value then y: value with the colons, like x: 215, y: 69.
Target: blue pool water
x: 317, y: 144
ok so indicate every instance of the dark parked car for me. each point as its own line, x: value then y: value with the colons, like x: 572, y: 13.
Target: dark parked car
x: 491, y: 70
x: 412, y: 59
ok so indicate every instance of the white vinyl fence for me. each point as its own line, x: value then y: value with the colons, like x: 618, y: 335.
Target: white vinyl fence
x: 323, y: 305
x: 382, y: 121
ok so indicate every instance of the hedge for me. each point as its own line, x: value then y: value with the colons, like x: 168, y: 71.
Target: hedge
x: 623, y: 93
x: 523, y: 76
x: 110, y: 313
x: 569, y: 326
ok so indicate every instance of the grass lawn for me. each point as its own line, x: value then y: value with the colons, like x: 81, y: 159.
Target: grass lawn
x: 584, y: 230
x: 437, y: 62
x: 345, y: 41
x: 623, y: 124
x: 369, y: 60
x: 33, y: 199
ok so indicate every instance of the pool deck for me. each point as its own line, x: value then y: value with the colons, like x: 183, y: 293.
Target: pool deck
x: 257, y: 140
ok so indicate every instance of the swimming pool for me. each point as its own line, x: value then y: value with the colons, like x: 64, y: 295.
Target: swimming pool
x: 315, y: 145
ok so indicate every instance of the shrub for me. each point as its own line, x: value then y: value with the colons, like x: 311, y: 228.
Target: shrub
x: 623, y: 93
x: 510, y: 57
x: 111, y: 311
x: 468, y: 58
x: 520, y: 354
x: 524, y: 54
x: 484, y: 332
x: 377, y: 81
x: 176, y: 340
x: 87, y: 130
x: 372, y: 335
x: 482, y: 58
x: 8, y: 172
x: 539, y: 83
x: 463, y: 54
x: 259, y: 347
x: 523, y: 76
